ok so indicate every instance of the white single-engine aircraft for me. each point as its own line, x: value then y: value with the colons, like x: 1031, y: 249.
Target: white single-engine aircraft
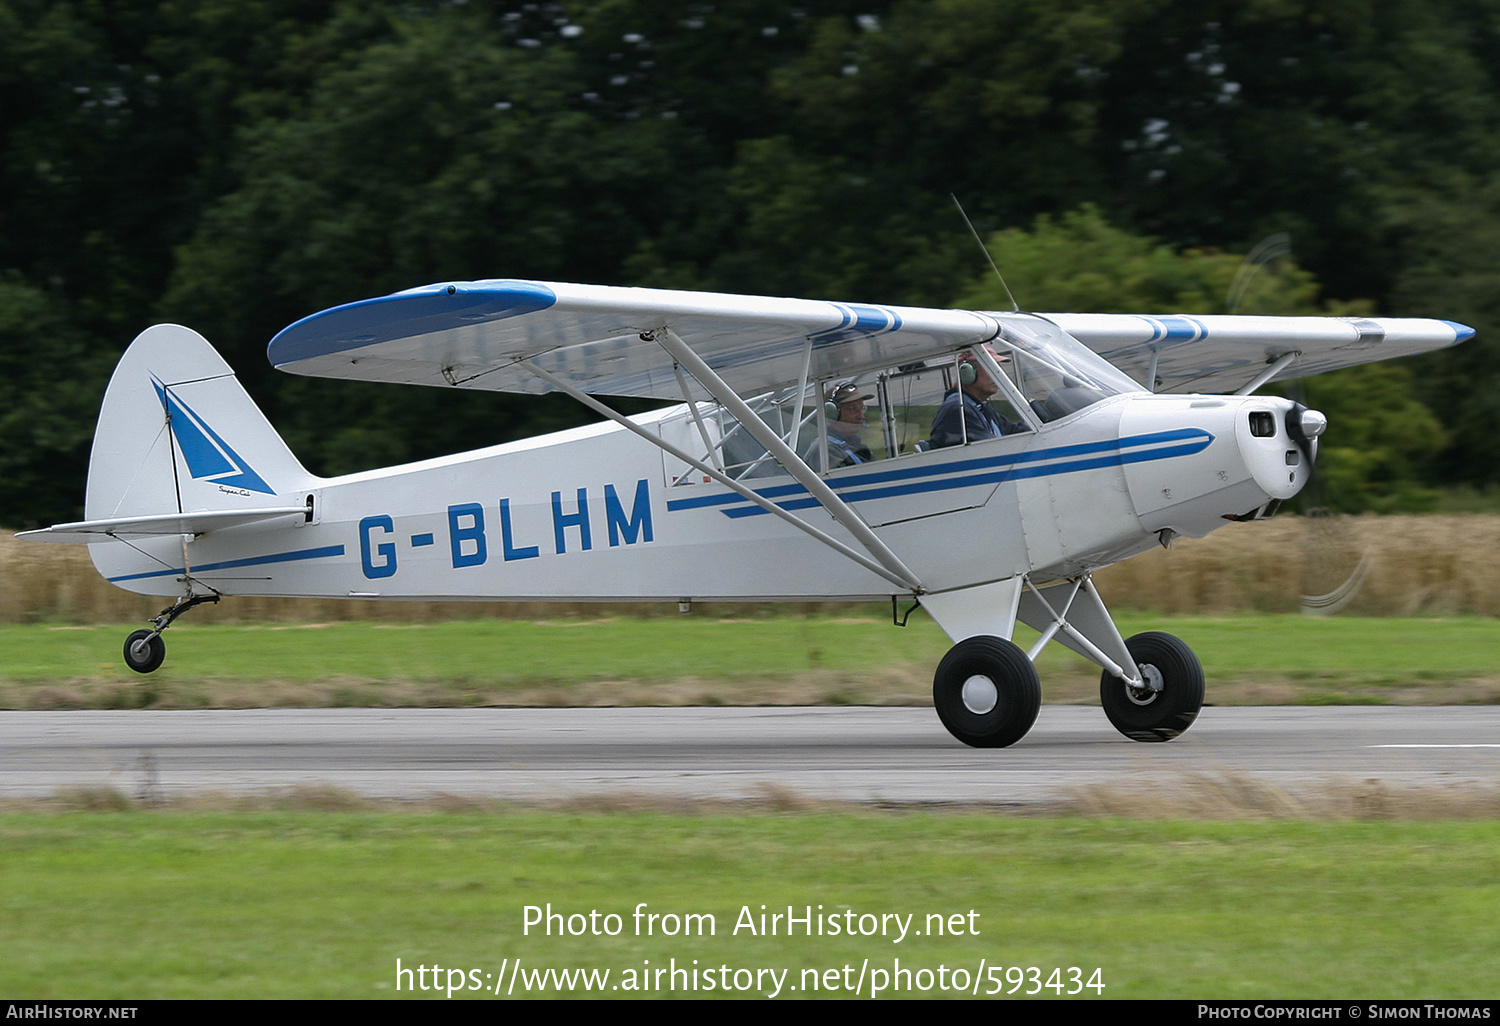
x: 1002, y: 459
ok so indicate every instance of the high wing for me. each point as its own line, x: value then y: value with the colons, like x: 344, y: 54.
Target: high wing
x: 602, y: 340
x: 1224, y: 353
x: 599, y: 339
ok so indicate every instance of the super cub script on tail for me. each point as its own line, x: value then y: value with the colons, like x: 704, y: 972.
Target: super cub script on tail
x: 983, y: 465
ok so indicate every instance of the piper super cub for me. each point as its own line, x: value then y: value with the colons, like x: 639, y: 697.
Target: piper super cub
x: 984, y: 465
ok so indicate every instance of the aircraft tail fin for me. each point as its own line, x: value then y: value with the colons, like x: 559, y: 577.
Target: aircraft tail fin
x: 178, y: 433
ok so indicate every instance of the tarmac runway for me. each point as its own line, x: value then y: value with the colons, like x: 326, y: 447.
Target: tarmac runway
x: 899, y: 755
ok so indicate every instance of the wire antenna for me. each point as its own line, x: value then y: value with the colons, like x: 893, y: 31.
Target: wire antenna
x: 986, y: 251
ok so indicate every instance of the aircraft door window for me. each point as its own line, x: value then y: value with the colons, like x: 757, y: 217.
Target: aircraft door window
x: 851, y: 428
x: 952, y: 403
x: 910, y: 398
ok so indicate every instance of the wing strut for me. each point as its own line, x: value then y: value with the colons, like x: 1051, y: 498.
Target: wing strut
x: 794, y: 464
x: 713, y: 451
x: 909, y: 583
x: 807, y: 350
x: 1277, y: 365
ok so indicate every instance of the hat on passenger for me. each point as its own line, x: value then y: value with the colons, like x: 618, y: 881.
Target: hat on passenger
x: 848, y: 392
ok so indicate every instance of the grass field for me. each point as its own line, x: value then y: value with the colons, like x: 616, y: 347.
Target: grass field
x: 319, y: 895
x: 311, y: 904
x: 669, y: 660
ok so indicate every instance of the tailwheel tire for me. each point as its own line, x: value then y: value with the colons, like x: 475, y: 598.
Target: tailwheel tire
x: 1173, y: 694
x: 144, y: 651
x: 986, y: 692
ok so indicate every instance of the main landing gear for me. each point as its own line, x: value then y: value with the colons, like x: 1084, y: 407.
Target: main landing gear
x: 986, y: 689
x: 144, y: 650
x: 1170, y: 694
x: 987, y: 692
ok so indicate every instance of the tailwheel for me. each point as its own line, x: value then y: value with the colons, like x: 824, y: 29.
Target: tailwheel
x: 144, y: 651
x: 986, y: 692
x: 1171, y: 694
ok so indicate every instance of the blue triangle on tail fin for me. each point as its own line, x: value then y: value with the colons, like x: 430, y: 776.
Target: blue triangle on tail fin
x: 207, y: 455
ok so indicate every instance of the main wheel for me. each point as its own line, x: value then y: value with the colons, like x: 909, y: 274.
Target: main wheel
x: 1173, y: 694
x: 144, y: 651
x: 986, y: 692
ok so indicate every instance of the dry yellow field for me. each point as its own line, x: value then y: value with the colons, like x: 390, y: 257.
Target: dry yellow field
x: 1418, y: 566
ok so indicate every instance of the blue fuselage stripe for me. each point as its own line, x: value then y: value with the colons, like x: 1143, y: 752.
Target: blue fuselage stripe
x: 1064, y: 459
x: 231, y: 564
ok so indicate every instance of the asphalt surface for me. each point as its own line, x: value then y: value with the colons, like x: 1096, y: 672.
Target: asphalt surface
x: 847, y: 754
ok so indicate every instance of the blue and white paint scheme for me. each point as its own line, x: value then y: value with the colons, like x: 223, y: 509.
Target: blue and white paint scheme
x: 728, y: 494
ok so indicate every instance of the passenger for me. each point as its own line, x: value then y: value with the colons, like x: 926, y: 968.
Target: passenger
x: 846, y: 422
x: 966, y: 413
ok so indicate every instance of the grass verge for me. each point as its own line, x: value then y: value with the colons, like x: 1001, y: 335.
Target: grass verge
x: 695, y: 660
x: 294, y: 903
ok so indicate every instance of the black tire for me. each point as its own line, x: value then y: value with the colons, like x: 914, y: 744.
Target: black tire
x: 155, y: 650
x: 1155, y: 715
x: 1004, y: 694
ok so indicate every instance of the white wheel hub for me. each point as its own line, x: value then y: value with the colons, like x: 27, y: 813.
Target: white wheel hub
x: 980, y: 694
x: 1152, y: 678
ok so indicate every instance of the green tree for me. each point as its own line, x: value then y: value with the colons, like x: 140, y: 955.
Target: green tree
x: 1380, y: 439
x: 444, y: 151
x: 1080, y: 263
x: 238, y: 164
x: 1452, y: 270
x: 51, y: 380
x: 1380, y: 435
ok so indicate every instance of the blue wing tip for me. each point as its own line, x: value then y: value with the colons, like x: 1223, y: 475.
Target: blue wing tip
x: 1461, y: 332
x: 420, y: 310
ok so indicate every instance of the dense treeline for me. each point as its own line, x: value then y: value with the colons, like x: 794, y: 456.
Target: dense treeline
x: 237, y: 164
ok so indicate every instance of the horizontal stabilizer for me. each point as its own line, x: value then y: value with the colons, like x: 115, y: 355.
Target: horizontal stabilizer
x: 162, y: 524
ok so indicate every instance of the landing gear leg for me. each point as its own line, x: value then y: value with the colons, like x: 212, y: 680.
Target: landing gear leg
x: 986, y: 689
x: 144, y: 650
x: 1152, y: 687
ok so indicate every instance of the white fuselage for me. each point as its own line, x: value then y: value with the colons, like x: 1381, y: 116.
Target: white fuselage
x: 594, y: 514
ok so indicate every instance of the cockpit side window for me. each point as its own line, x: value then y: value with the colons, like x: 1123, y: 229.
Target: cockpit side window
x: 718, y: 439
x: 1044, y: 374
x: 952, y: 402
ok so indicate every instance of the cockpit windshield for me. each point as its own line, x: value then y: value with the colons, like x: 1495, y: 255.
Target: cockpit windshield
x: 1044, y: 374
x: 1057, y: 374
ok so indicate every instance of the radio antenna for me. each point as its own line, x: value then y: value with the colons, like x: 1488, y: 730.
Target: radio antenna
x: 986, y: 251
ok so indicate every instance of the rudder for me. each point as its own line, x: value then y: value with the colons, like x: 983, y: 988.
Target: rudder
x: 178, y: 433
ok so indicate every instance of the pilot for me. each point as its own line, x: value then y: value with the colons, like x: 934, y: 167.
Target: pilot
x: 966, y: 413
x: 845, y: 411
